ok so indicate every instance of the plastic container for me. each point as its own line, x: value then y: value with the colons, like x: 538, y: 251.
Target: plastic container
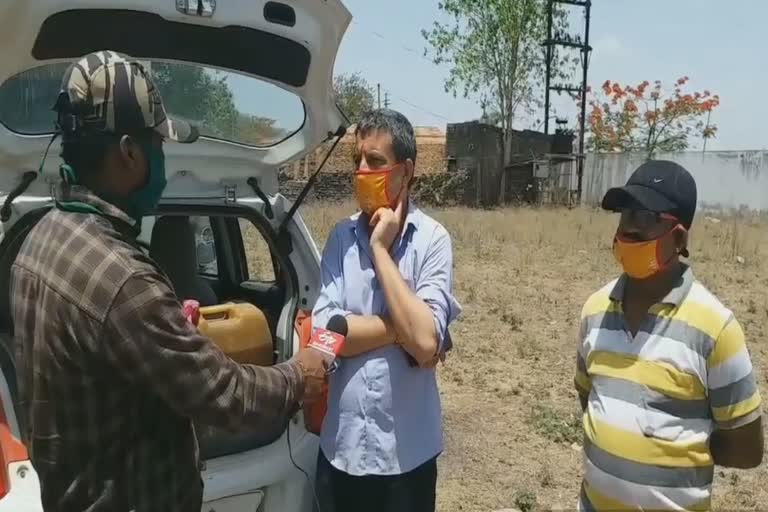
x: 241, y: 331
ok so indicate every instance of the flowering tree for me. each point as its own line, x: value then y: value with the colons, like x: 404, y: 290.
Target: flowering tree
x: 648, y: 119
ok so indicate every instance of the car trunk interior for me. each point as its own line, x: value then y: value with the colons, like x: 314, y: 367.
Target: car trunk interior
x: 174, y: 244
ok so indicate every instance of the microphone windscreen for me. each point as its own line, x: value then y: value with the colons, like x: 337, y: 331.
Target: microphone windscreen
x: 338, y: 324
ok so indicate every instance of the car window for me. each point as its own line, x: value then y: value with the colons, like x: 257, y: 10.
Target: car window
x: 258, y: 255
x: 223, y: 105
x: 205, y: 243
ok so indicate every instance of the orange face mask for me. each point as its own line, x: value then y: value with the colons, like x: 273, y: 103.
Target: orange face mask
x: 641, y: 260
x: 372, y: 189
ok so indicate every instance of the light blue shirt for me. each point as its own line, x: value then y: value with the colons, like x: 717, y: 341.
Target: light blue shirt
x: 383, y: 415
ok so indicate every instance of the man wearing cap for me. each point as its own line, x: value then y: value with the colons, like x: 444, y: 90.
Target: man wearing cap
x: 663, y: 371
x: 112, y: 375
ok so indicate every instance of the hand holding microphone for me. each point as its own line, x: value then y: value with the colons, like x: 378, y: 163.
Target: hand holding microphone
x: 330, y: 341
x: 318, y: 359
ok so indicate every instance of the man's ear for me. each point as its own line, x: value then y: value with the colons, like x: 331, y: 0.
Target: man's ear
x: 131, y: 152
x: 410, y: 170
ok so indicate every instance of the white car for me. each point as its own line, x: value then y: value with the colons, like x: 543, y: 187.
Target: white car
x: 255, y: 76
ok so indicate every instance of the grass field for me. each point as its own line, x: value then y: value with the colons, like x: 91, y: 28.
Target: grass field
x: 511, y: 414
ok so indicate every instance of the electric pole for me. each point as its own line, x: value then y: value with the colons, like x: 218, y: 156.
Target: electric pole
x: 378, y: 94
x: 386, y: 99
x: 569, y: 41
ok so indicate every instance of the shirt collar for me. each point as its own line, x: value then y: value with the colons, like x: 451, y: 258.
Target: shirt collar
x: 675, y: 296
x: 78, y: 193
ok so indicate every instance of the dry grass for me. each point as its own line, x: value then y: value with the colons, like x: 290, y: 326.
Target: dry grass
x: 522, y: 276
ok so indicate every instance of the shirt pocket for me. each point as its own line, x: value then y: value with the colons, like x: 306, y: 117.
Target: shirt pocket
x: 659, y: 425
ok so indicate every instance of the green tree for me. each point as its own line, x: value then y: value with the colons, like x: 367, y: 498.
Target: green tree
x: 354, y: 95
x: 195, y: 94
x: 496, y: 55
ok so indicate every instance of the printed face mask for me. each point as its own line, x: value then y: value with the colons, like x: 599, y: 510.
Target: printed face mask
x: 641, y: 260
x: 372, y: 189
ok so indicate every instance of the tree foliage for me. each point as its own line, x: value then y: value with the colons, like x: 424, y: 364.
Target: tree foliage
x: 354, y: 95
x: 494, y: 48
x: 647, y: 118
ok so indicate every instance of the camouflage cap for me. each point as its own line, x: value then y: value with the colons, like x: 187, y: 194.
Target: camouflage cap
x: 109, y: 92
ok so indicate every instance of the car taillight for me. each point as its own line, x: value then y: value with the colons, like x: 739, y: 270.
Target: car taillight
x: 11, y: 450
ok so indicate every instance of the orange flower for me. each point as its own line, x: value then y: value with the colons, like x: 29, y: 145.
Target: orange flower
x: 629, y: 106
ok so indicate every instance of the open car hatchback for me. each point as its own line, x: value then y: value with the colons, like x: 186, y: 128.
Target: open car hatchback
x: 255, y: 77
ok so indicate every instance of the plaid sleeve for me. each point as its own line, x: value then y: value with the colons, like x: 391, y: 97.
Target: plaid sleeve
x: 581, y: 378
x: 150, y: 343
x: 733, y: 395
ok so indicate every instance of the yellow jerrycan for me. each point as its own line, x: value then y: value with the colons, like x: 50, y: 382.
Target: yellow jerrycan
x: 240, y: 330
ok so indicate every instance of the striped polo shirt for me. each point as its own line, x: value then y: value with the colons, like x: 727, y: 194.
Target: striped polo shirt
x: 655, y: 399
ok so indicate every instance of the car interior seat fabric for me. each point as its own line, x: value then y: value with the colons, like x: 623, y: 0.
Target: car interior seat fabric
x: 174, y: 248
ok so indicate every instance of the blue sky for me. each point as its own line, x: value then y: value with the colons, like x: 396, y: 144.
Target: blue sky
x: 721, y: 47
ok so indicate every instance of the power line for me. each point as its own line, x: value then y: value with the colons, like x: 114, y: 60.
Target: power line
x: 413, y: 105
x: 408, y: 49
x: 387, y: 100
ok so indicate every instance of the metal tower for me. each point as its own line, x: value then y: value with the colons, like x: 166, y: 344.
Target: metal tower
x: 568, y: 41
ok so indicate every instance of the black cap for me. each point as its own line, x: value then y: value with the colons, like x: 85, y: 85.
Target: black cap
x: 659, y: 186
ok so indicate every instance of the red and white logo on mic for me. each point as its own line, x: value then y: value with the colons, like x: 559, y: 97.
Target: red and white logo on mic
x: 326, y: 341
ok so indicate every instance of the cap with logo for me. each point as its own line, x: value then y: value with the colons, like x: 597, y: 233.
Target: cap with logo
x: 659, y: 186
x: 106, y: 92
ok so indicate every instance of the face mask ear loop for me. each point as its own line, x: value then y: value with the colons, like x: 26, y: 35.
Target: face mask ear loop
x: 684, y: 251
x: 388, y: 182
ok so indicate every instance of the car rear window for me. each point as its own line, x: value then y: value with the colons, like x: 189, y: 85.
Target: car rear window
x: 222, y: 104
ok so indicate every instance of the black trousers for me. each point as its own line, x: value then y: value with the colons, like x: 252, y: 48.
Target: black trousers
x: 410, y: 492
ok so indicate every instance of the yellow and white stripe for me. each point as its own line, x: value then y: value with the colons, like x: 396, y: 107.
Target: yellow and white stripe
x: 656, y: 397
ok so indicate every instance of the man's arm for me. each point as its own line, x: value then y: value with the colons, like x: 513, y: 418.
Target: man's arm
x: 740, y: 447
x: 367, y: 333
x: 735, y: 402
x: 581, y: 379
x: 148, y: 341
x: 420, y: 317
x: 364, y: 333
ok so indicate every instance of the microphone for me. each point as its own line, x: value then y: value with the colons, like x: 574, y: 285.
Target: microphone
x: 330, y: 340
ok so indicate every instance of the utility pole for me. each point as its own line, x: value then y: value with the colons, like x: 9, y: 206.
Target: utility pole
x: 386, y: 99
x: 568, y: 41
x: 378, y: 94
x: 549, y: 68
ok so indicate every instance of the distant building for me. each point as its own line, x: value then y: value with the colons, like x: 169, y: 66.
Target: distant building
x: 478, y: 149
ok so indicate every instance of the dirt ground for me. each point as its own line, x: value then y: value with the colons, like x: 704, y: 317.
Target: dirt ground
x: 511, y: 414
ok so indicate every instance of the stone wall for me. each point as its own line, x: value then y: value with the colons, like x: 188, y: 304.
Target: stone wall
x: 430, y: 147
x: 329, y: 187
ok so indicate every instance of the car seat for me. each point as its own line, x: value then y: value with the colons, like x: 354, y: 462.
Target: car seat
x: 174, y: 248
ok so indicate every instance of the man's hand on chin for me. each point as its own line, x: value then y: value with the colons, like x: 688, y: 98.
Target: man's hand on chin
x: 386, y: 226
